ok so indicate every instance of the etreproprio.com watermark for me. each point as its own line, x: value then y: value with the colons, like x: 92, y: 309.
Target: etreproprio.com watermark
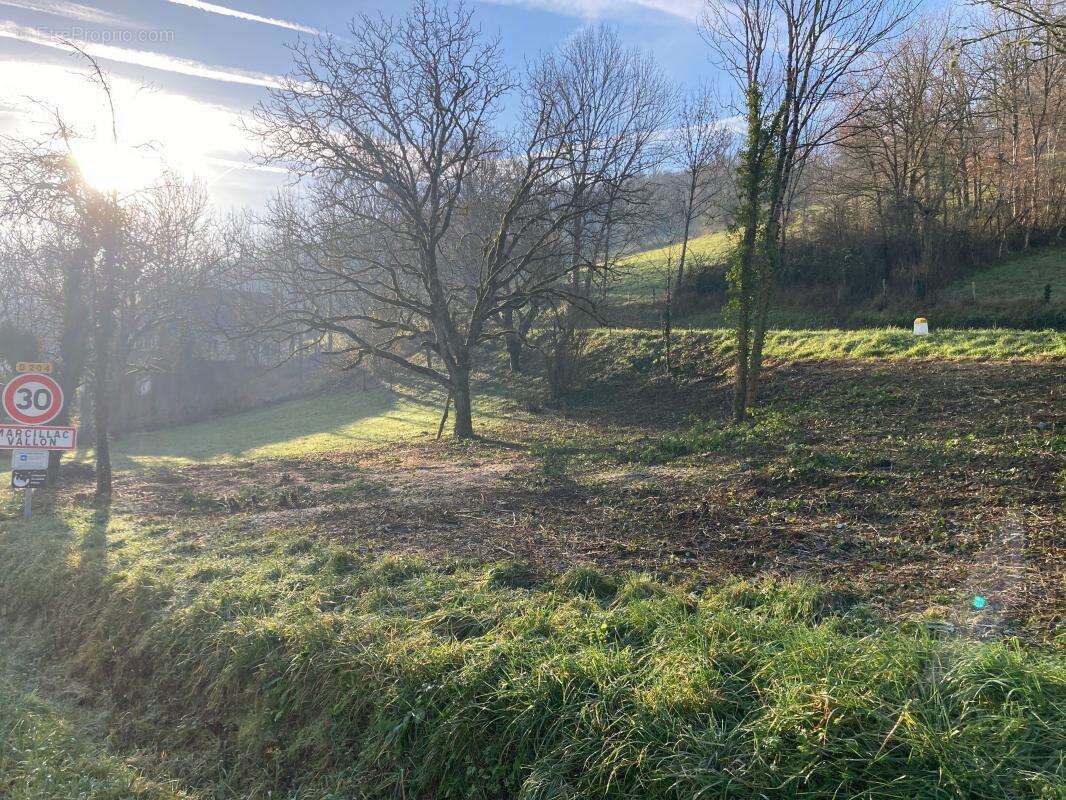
x: 108, y: 35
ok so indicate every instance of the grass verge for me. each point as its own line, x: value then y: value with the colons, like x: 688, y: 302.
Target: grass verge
x: 44, y: 756
x: 1020, y: 278
x: 644, y: 275
x: 290, y: 665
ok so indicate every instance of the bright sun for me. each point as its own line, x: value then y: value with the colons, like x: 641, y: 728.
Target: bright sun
x: 110, y: 167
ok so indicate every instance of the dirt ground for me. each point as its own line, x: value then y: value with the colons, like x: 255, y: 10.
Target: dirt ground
x: 914, y: 487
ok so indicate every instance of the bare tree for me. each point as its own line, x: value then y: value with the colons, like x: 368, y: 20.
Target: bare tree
x: 59, y: 219
x: 702, y: 151
x: 950, y: 156
x: 790, y: 61
x: 423, y: 227
x: 618, y: 101
x: 108, y: 267
x: 173, y: 246
x: 1029, y: 19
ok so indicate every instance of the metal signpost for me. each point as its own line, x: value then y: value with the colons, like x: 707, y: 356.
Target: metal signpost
x: 33, y: 399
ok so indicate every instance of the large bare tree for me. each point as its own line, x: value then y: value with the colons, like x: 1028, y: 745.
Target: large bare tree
x: 1028, y: 20
x: 423, y: 227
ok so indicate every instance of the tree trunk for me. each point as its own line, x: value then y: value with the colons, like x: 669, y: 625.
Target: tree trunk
x: 762, y: 313
x: 103, y: 333
x: 464, y: 424
x: 684, y: 244
x: 743, y: 319
x: 102, y: 399
x: 514, y: 351
x: 444, y: 416
x: 72, y: 348
x: 741, y: 284
x: 512, y: 340
x: 770, y: 264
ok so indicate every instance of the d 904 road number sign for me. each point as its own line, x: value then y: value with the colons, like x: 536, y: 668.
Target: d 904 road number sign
x: 33, y: 398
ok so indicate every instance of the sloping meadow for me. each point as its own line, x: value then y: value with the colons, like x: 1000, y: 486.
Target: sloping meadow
x: 282, y: 663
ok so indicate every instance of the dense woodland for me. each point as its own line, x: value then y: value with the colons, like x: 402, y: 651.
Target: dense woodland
x: 951, y: 154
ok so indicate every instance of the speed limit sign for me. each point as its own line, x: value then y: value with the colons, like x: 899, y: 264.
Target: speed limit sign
x: 33, y: 398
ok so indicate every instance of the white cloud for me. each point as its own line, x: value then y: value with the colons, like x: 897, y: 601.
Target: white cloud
x: 77, y: 11
x: 141, y: 58
x: 232, y: 12
x: 612, y: 9
x: 194, y: 137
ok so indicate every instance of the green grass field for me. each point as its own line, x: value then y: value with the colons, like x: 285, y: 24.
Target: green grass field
x: 353, y: 419
x: 332, y: 421
x: 1007, y: 294
x: 1019, y: 278
x: 644, y: 275
x: 629, y: 597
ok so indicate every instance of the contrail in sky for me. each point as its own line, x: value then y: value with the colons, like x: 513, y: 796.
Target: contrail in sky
x: 76, y: 11
x: 143, y: 58
x: 213, y: 8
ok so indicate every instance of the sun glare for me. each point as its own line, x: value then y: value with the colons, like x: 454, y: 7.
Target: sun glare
x: 110, y: 167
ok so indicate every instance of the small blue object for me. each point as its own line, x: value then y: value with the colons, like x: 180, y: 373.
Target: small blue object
x: 979, y: 602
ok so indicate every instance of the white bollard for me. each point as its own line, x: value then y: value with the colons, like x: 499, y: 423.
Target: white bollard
x: 921, y: 327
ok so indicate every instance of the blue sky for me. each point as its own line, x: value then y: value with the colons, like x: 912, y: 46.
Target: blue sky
x: 185, y: 71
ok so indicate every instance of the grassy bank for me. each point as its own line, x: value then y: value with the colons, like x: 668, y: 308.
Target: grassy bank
x: 46, y: 755
x: 1019, y: 278
x: 275, y: 661
x: 641, y: 355
x: 643, y: 276
x: 1006, y: 294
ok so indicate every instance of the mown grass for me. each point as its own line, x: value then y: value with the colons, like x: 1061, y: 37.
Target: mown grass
x: 636, y: 350
x: 349, y: 420
x: 340, y: 420
x: 333, y: 421
x: 323, y: 674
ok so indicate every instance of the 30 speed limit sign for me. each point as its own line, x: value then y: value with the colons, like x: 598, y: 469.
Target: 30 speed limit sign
x: 33, y: 398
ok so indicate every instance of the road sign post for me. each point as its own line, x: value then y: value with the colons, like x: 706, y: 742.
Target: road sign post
x: 39, y: 437
x: 33, y: 366
x: 25, y: 459
x: 32, y: 399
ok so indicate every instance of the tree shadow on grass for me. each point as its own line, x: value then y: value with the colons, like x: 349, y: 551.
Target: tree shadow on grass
x: 337, y: 416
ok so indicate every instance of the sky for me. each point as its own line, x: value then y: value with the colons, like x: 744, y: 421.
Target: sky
x: 185, y: 73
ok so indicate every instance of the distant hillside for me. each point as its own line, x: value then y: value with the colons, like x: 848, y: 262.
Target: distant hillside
x: 1009, y: 294
x: 1020, y: 278
x: 643, y: 276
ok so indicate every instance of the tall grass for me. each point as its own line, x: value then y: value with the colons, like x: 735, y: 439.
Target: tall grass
x: 44, y: 757
x: 292, y: 665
